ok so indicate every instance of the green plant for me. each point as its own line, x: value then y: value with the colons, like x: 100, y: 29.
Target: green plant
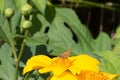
x: 52, y: 33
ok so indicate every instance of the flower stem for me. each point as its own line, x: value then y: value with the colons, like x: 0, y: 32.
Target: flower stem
x: 90, y: 3
x: 20, y: 55
x: 98, y: 5
x: 12, y: 42
x: 14, y: 50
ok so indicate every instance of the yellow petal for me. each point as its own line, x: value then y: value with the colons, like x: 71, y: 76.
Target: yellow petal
x: 58, y: 70
x: 111, y: 76
x: 77, y: 69
x: 45, y: 60
x: 29, y: 67
x: 59, y: 65
x: 83, y: 58
x: 45, y: 70
x: 64, y: 76
x: 90, y: 75
x: 36, y: 62
x: 74, y: 69
x: 84, y: 62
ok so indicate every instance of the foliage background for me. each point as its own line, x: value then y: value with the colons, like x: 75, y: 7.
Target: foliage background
x: 57, y: 26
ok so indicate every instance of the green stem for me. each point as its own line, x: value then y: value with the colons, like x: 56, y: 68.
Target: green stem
x: 90, y: 3
x: 98, y: 5
x: 12, y: 42
x: 19, y: 36
x: 20, y: 55
x: 9, y: 24
x: 22, y: 46
x: 27, y: 77
x: 14, y: 50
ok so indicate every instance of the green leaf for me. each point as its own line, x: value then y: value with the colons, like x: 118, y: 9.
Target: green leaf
x: 37, y: 39
x: 5, y: 33
x: 116, y: 41
x: 2, y: 33
x: 60, y: 37
x: 64, y: 26
x: 7, y: 70
x: 10, y: 4
x: 1, y: 5
x: 20, y: 4
x: 3, y: 36
x: 102, y: 43
x: 2, y: 20
x: 39, y: 24
x: 40, y: 4
x: 69, y: 17
x: 110, y: 61
x: 15, y: 22
x: 108, y: 66
x: 117, y: 33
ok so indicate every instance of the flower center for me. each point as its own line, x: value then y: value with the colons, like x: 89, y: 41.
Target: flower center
x: 61, y: 62
x: 90, y: 75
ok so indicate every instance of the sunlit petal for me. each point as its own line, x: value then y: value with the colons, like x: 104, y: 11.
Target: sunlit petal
x: 36, y: 62
x: 83, y: 58
x: 64, y: 76
x: 58, y: 70
x: 83, y: 62
x: 45, y: 70
x: 111, y: 76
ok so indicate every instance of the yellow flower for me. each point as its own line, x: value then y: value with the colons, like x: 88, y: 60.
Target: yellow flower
x: 45, y: 64
x: 60, y: 64
x: 90, y: 75
x: 84, y: 75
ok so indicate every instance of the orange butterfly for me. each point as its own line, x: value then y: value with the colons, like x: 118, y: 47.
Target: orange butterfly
x: 66, y: 54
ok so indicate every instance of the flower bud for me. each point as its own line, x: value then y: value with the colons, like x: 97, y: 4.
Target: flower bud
x: 26, y: 24
x: 27, y: 9
x: 8, y: 12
